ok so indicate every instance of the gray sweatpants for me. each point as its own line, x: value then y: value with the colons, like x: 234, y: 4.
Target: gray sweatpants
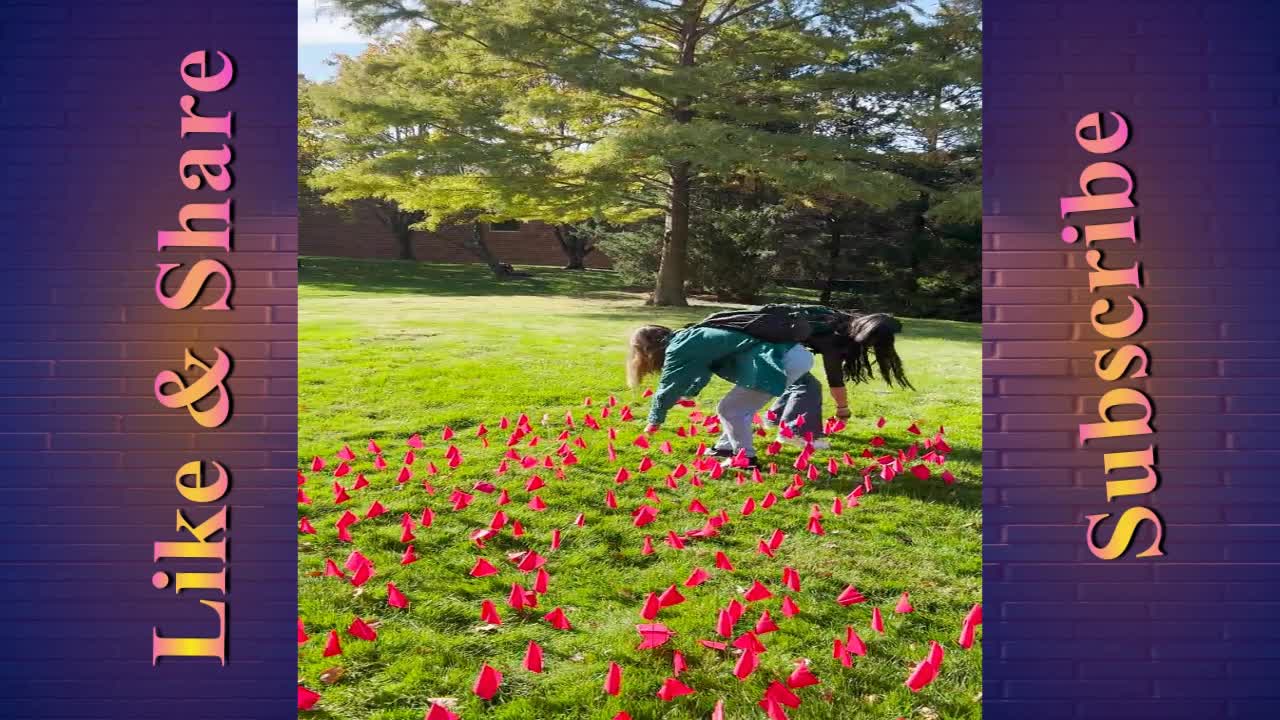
x: 740, y: 404
x: 803, y: 398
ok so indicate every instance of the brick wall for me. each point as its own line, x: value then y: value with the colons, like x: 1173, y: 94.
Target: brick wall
x: 359, y: 233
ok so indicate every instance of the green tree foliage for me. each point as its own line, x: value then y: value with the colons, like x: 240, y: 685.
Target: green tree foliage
x: 616, y: 110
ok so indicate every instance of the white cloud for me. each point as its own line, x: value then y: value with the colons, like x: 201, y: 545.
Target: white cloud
x: 327, y: 29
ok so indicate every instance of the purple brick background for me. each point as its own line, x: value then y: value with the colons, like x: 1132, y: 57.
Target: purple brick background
x: 1192, y: 634
x: 89, y: 130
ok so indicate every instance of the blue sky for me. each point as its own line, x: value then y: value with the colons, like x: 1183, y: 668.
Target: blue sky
x: 320, y: 38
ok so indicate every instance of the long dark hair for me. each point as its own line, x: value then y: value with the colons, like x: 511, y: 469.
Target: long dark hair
x: 873, y: 334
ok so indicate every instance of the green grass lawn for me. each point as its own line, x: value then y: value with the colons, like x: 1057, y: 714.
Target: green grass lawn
x: 389, y: 349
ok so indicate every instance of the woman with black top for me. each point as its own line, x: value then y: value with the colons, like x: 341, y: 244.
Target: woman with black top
x: 845, y: 342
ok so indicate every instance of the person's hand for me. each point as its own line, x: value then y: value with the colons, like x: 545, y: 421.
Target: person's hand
x: 844, y: 413
x: 652, y: 428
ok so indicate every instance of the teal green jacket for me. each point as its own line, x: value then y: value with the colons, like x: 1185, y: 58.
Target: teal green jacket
x: 695, y: 354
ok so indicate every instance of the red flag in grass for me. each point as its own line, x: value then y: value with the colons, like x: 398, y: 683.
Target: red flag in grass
x: 757, y: 592
x: 877, y: 621
x: 672, y: 688
x: 853, y: 643
x: 307, y: 699
x: 395, y: 598
x: 789, y: 607
x: 440, y: 712
x: 613, y: 679
x: 904, y: 605
x: 851, y: 596
x: 652, y: 636
x: 489, y: 613
x: 533, y: 657
x: 765, y: 624
x: 483, y: 568
x: 923, y: 674
x: 558, y: 619
x: 487, y: 682
x: 651, y: 607
x: 779, y: 693
x: 362, y: 630
x: 802, y: 676
x: 746, y: 665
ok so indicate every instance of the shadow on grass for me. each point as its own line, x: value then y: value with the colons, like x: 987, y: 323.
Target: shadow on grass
x: 964, y: 495
x: 343, y: 275
x: 404, y: 276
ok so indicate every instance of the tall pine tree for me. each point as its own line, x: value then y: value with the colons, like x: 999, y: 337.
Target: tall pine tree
x: 565, y: 110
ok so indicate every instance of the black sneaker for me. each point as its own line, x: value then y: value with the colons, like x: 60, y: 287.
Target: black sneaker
x: 720, y: 453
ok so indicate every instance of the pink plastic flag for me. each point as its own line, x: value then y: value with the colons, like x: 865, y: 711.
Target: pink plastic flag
x: 724, y: 624
x: 696, y: 578
x: 802, y: 676
x: 757, y: 592
x: 533, y: 657
x: 853, y: 643
x: 746, y: 665
x: 362, y: 630
x: 307, y: 699
x: 651, y: 607
x: 395, y: 598
x: 671, y: 596
x: 923, y: 674
x: 361, y: 575
x: 936, y: 654
x: 791, y: 579
x: 487, y: 682
x: 558, y: 619
x: 789, y: 607
x: 765, y: 624
x: 613, y: 679
x: 850, y: 596
x: 672, y: 688
x: 440, y: 712
x: 653, y: 635
x: 678, y: 664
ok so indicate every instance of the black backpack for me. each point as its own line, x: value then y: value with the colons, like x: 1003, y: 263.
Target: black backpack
x: 771, y: 326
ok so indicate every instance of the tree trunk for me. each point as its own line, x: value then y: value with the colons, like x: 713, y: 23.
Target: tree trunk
x: 675, y: 240
x: 575, y: 247
x: 835, y: 242
x: 398, y: 222
x: 479, y: 245
x: 404, y: 238
x: 915, y: 247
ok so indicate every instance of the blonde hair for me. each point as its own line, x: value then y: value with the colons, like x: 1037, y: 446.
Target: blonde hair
x: 646, y: 351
